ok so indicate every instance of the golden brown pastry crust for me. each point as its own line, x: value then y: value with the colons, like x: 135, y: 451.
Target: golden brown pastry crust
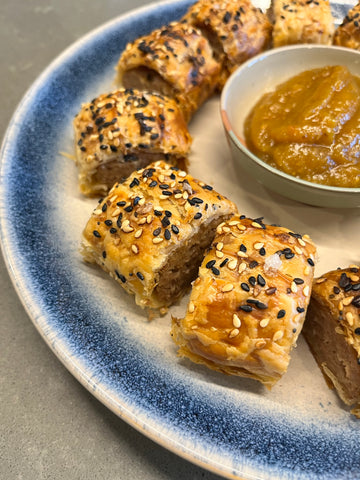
x: 332, y: 330
x: 348, y: 33
x: 175, y: 60
x: 248, y: 304
x: 122, y: 131
x: 236, y: 30
x: 151, y: 231
x: 302, y: 22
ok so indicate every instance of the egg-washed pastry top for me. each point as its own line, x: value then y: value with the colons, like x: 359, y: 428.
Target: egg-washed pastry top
x: 348, y: 33
x: 236, y: 30
x: 119, y: 132
x: 302, y: 21
x: 151, y: 231
x: 248, y: 304
x: 176, y: 60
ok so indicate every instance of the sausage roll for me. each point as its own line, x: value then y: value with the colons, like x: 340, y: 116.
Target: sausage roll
x: 348, y: 33
x: 332, y: 330
x: 151, y: 231
x: 125, y: 130
x: 236, y: 30
x: 248, y: 304
x: 175, y: 60
x: 302, y: 21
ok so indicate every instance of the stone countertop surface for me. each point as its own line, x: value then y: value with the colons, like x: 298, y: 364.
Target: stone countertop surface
x: 52, y: 427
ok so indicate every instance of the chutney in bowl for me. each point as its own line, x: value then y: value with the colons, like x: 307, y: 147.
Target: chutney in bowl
x: 261, y: 75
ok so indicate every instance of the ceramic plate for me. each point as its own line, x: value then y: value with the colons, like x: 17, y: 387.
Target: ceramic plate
x: 231, y: 426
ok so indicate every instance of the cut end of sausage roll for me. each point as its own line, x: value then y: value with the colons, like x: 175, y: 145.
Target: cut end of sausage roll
x: 301, y: 21
x: 332, y: 330
x: 236, y: 31
x: 151, y: 231
x: 248, y: 304
x: 125, y: 130
x: 348, y: 33
x: 175, y: 60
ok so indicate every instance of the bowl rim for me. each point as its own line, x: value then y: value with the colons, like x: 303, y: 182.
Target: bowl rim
x: 240, y: 142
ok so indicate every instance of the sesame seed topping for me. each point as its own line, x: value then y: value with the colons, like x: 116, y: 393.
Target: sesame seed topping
x: 135, y: 249
x: 306, y: 290
x: 228, y: 287
x: 191, y: 307
x: 242, y: 267
x: 346, y: 301
x: 232, y: 264
x: 258, y: 245
x: 157, y: 240
x: 236, y: 321
x: 138, y: 233
x: 234, y: 333
x: 350, y: 318
x: 281, y: 313
x: 264, y: 322
x: 278, y: 335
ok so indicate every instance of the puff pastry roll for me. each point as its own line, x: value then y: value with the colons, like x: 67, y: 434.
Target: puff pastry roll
x: 236, y: 30
x: 175, y: 60
x: 302, y: 21
x: 332, y: 330
x: 248, y: 304
x: 125, y: 130
x: 151, y: 231
x: 348, y: 33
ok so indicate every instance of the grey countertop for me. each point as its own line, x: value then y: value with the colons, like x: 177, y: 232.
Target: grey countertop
x: 51, y: 427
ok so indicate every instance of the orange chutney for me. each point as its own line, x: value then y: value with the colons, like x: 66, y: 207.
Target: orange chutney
x: 309, y: 127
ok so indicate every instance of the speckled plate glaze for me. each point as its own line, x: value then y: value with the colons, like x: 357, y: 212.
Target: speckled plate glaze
x: 231, y: 426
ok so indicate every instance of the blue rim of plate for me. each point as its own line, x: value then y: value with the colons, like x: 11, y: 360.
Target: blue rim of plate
x: 234, y: 440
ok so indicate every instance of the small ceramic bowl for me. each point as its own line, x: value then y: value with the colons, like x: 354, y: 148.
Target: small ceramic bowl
x: 262, y: 74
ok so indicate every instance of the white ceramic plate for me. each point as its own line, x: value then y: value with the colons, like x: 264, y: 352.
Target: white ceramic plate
x: 230, y: 426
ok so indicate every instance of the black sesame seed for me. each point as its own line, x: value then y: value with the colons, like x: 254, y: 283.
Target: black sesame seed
x: 245, y: 287
x: 253, y: 264
x: 252, y: 281
x: 197, y: 215
x: 134, y: 183
x: 167, y: 213
x: 356, y: 287
x: 310, y: 262
x: 121, y: 204
x: 357, y: 331
x: 210, y: 264
x: 165, y: 222
x: 108, y: 223
x: 336, y: 290
x: 298, y: 281
x: 270, y: 291
x: 167, y: 234
x: 356, y: 301
x: 129, y: 208
x: 245, y: 308
x: 153, y: 183
x: 224, y: 262
x: 104, y: 254
x: 121, y: 277
x: 103, y: 147
x: 157, y: 232
x: 344, y: 280
x: 242, y: 248
x: 140, y: 276
x: 289, y: 255
x: 262, y: 251
x: 261, y: 280
x: 96, y: 234
x: 281, y: 314
x: 300, y: 309
x: 167, y: 193
x: 157, y: 213
x: 112, y: 230
x: 174, y: 229
x: 215, y: 271
x: 113, y: 148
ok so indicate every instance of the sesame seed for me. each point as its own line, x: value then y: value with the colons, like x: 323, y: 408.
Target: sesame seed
x: 301, y: 242
x: 242, y: 267
x: 293, y: 287
x: 191, y: 307
x: 306, y: 290
x: 298, y: 250
x: 219, y: 246
x: 258, y: 245
x: 140, y: 276
x: 241, y: 254
x: 234, y: 333
x: 96, y: 234
x: 281, y: 313
x: 236, y: 321
x: 350, y: 318
x: 157, y: 240
x: 256, y: 225
x: 346, y: 301
x: 264, y: 322
x: 219, y: 254
x: 260, y: 343
x: 278, y: 335
x: 245, y: 308
x: 138, y: 233
x: 135, y: 249
x: 232, y: 264
x: 228, y: 287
